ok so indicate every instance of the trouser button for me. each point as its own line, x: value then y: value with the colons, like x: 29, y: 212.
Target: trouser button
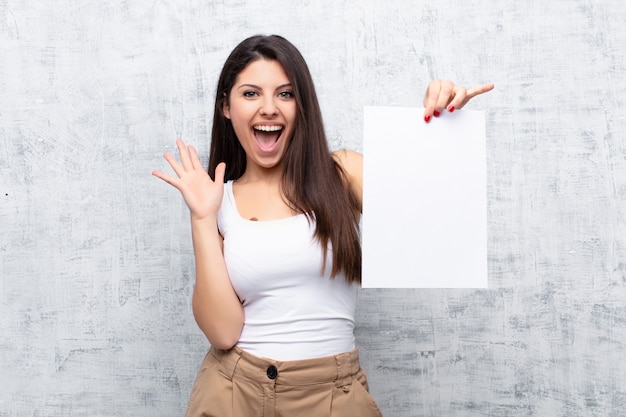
x: 272, y: 372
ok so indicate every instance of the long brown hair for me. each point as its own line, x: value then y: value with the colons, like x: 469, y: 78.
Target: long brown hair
x: 313, y: 183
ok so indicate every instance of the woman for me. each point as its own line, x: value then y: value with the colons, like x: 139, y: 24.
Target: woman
x: 276, y: 243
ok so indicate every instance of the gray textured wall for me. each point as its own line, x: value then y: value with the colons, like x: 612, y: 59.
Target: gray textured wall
x: 95, y: 255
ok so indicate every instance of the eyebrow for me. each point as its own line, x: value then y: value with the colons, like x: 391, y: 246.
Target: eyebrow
x: 259, y: 88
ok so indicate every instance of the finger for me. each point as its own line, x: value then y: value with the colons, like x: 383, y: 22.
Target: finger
x: 178, y: 169
x: 220, y: 169
x: 195, y: 159
x: 430, y: 99
x: 167, y: 178
x: 473, y: 92
x: 458, y: 100
x: 184, y: 155
x: 446, y: 94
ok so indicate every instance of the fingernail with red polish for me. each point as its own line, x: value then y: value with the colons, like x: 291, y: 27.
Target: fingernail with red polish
x: 427, y: 118
x: 451, y: 109
x: 436, y: 113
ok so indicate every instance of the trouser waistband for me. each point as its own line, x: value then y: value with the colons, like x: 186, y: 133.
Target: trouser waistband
x: 337, y: 368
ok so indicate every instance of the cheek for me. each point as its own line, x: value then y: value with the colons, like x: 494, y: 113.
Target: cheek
x: 289, y: 113
x: 236, y: 119
x: 240, y: 131
x: 241, y: 113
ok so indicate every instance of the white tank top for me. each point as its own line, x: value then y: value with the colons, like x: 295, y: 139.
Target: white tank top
x: 291, y: 310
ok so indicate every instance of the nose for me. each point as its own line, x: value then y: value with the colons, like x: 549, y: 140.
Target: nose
x: 268, y: 107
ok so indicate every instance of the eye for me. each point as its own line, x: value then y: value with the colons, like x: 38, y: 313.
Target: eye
x: 286, y: 94
x: 250, y: 93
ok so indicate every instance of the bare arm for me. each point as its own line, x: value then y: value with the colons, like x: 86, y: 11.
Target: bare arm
x: 216, y: 307
x: 352, y: 164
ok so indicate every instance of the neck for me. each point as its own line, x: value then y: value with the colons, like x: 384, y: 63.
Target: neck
x: 255, y: 174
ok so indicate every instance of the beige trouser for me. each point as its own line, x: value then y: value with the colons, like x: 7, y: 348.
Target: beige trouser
x: 234, y: 383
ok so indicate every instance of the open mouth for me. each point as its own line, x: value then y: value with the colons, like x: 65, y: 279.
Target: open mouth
x: 267, y: 136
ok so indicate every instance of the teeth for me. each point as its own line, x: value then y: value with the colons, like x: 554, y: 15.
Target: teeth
x: 272, y: 128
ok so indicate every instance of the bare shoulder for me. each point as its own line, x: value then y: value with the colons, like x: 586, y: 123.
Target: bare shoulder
x: 352, y: 164
x: 350, y: 161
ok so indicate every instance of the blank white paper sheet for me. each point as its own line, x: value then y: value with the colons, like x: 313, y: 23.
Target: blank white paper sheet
x: 424, y: 199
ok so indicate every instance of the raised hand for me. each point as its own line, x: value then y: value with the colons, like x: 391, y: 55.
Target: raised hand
x: 202, y: 195
x: 446, y: 95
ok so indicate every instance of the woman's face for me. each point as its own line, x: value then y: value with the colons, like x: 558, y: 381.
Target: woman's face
x: 262, y: 109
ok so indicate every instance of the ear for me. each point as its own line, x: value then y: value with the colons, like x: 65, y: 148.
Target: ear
x: 226, y: 108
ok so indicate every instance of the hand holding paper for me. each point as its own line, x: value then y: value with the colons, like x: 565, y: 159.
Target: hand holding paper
x: 442, y: 95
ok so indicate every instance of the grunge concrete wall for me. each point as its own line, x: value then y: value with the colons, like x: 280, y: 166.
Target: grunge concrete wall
x: 96, y: 266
